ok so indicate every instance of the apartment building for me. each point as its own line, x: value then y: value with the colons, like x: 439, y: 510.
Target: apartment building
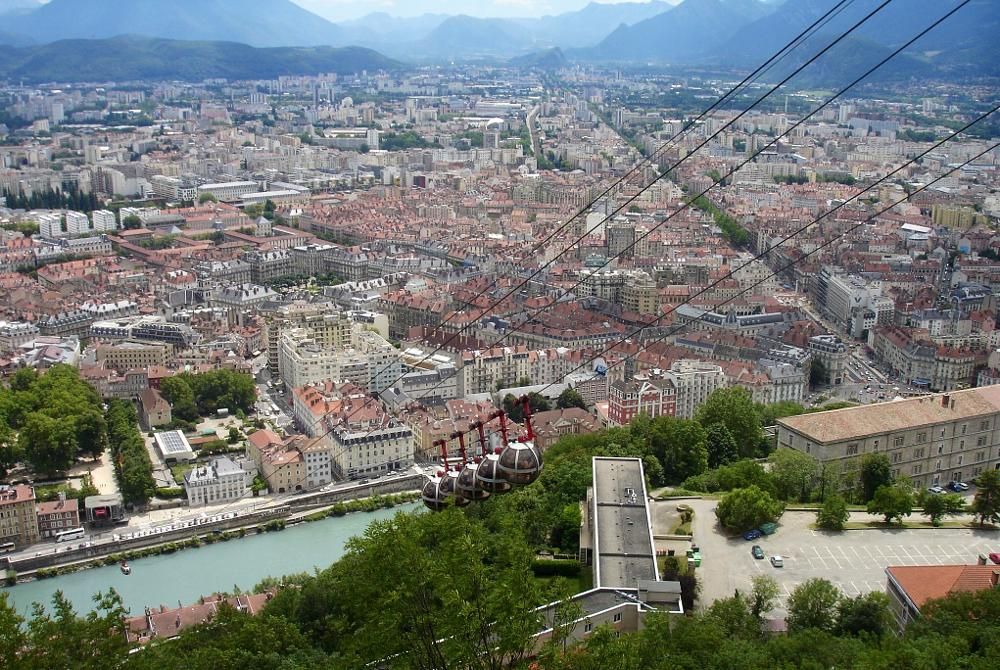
x: 832, y: 353
x: 230, y: 191
x: 924, y: 363
x: 104, y: 220
x: 173, y: 188
x: 651, y: 394
x: 14, y: 334
x: 18, y: 517
x: 328, y: 326
x: 369, y: 361
x: 694, y: 381
x: 931, y: 439
x: 280, y: 464
x: 57, y: 515
x: 854, y: 303
x: 356, y: 436
x: 266, y: 266
x: 218, y: 481
x: 132, y: 355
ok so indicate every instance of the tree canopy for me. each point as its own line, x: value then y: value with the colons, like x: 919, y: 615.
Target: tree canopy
x: 57, y: 417
x: 734, y: 408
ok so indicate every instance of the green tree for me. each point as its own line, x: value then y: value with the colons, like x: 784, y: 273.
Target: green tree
x: 935, y: 507
x: 721, y: 445
x: 743, y: 509
x: 893, y: 502
x: 570, y: 398
x: 24, y: 379
x: 868, y: 613
x: 424, y: 591
x: 833, y: 514
x: 49, y: 445
x: 91, y: 434
x: 206, y: 197
x: 769, y: 414
x: 679, y: 444
x: 734, y: 408
x: 813, y: 604
x: 131, y: 222
x: 234, y: 435
x: 876, y: 472
x: 515, y: 410
x: 10, y: 449
x: 818, y: 374
x: 986, y: 503
x: 59, y: 638
x: 763, y: 595
x: 793, y: 473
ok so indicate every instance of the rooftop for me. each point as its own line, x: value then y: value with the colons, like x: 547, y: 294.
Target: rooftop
x: 928, y: 582
x: 624, y: 552
x: 857, y: 422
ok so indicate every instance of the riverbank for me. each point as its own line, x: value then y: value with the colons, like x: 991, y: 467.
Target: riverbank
x: 213, y: 536
x: 231, y: 566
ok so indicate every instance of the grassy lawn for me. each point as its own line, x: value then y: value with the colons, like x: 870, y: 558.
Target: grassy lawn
x: 178, y: 470
x: 863, y: 525
x: 661, y: 562
x: 583, y: 582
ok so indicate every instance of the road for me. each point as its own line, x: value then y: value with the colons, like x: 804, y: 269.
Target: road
x: 530, y: 120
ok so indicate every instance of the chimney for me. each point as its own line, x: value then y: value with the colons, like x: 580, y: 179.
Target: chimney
x: 944, y: 400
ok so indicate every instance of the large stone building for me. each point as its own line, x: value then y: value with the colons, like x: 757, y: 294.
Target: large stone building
x: 18, y: 518
x: 649, y: 394
x: 931, y: 439
x: 219, y: 481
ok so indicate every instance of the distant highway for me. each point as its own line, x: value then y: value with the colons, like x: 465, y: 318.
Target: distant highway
x: 530, y: 120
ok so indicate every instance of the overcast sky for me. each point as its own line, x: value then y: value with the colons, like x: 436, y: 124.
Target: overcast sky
x: 337, y: 10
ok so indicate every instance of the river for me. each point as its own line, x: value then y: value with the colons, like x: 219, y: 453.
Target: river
x: 189, y: 574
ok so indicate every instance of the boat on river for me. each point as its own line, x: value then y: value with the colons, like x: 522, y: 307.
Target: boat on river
x: 125, y: 567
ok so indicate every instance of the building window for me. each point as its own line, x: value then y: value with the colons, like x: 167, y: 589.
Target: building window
x: 964, y: 426
x: 897, y: 442
x: 984, y: 425
x: 917, y: 469
x: 921, y: 437
x: 587, y: 627
x: 980, y: 456
x: 618, y: 617
x: 852, y: 449
x: 897, y: 457
x: 919, y: 453
x: 981, y: 441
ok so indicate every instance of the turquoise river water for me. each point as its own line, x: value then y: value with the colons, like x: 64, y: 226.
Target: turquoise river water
x: 189, y: 574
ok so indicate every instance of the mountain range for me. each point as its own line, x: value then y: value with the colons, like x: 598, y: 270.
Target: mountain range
x: 260, y: 23
x: 131, y: 58
x: 716, y: 33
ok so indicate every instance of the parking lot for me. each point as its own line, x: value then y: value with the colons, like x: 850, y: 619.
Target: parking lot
x: 856, y: 560
x: 853, y: 560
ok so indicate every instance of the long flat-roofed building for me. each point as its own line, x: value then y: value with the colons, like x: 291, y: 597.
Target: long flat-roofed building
x: 931, y: 439
x: 623, y: 551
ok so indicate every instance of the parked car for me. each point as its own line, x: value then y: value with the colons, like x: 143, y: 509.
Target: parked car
x: 777, y: 561
x: 768, y: 528
x: 962, y: 486
x: 935, y: 489
x: 995, y: 557
x: 751, y: 535
x: 757, y: 552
